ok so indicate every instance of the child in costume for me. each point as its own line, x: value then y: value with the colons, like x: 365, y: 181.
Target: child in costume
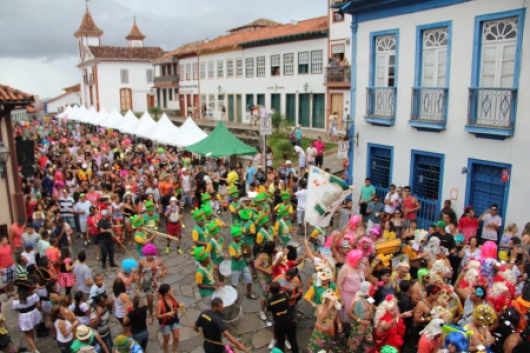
x: 140, y: 235
x: 198, y: 233
x: 239, y: 265
x: 283, y: 226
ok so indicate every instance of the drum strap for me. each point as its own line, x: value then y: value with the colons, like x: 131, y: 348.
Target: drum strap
x: 217, y: 246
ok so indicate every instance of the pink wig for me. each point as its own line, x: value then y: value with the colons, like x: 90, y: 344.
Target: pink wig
x: 330, y: 239
x: 149, y: 250
x: 353, y: 257
x: 488, y: 250
x: 354, y: 222
x: 58, y: 176
x: 376, y: 231
x: 365, y: 245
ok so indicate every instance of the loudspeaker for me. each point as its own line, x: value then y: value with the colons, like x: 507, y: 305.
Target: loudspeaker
x: 26, y: 157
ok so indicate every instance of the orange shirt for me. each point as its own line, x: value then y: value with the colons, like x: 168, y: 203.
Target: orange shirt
x: 165, y: 187
x: 17, y: 234
x: 6, y: 256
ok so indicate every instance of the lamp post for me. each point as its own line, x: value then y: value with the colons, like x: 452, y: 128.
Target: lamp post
x: 4, y: 155
x: 306, y: 87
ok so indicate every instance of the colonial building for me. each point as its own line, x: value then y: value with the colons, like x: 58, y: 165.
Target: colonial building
x: 111, y: 76
x: 437, y: 95
x: 261, y: 63
x: 71, y: 96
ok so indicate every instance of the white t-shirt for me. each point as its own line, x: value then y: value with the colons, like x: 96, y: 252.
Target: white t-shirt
x: 298, y: 150
x: 393, y: 202
x: 83, y: 207
x: 301, y: 195
x: 29, y: 256
x: 489, y: 233
x: 311, y: 153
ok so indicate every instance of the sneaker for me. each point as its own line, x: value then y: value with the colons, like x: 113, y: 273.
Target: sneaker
x: 167, y: 249
x: 287, y: 345
x: 180, y: 251
x: 252, y: 296
x: 262, y: 316
x: 86, y: 243
x: 272, y: 344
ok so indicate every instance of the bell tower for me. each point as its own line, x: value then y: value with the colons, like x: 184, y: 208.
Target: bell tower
x: 88, y: 33
x: 135, y: 38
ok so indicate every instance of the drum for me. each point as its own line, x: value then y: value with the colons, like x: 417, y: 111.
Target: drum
x: 225, y: 268
x: 247, y: 250
x: 232, y: 310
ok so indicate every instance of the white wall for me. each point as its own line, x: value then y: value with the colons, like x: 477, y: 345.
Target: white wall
x: 56, y: 105
x: 455, y: 143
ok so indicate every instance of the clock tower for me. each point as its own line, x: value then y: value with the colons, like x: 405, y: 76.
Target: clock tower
x: 135, y: 38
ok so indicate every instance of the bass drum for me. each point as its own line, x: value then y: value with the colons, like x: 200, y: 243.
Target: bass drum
x: 228, y: 294
x: 225, y: 268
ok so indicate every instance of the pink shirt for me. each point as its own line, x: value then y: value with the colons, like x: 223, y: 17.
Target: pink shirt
x: 17, y: 234
x: 6, y: 256
x: 320, y: 147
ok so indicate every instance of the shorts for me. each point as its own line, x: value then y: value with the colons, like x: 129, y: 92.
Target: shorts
x: 247, y: 278
x: 187, y: 198
x: 166, y: 330
x: 300, y: 216
x: 95, y: 239
x: 363, y: 208
x: 319, y: 160
x: 82, y: 227
x: 9, y: 275
x: 173, y: 229
x: 301, y: 163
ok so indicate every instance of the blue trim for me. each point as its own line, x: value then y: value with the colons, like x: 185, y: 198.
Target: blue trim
x: 477, y: 44
x: 415, y: 153
x: 380, y: 121
x: 353, y: 95
x: 373, y: 9
x: 489, y: 132
x: 373, y: 35
x: 426, y: 126
x: 375, y: 145
x: 419, y: 50
x: 470, y: 163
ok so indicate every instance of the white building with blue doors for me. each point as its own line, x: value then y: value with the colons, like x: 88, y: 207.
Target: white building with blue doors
x: 438, y: 101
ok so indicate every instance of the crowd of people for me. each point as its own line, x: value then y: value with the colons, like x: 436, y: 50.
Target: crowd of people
x: 378, y: 283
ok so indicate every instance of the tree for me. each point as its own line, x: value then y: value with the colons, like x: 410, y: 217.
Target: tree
x: 155, y: 112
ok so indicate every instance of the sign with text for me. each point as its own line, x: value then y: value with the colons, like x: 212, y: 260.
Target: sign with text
x: 343, y: 147
x: 265, y: 126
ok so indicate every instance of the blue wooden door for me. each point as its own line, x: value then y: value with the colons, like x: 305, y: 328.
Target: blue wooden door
x: 276, y: 102
x: 380, y: 168
x: 427, y: 174
x: 303, y: 110
x: 231, y: 107
x: 319, y: 111
x: 485, y: 186
x: 290, y: 113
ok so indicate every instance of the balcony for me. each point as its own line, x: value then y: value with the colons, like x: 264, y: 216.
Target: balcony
x: 491, y: 112
x: 381, y: 105
x: 337, y: 76
x: 429, y: 108
x: 166, y: 81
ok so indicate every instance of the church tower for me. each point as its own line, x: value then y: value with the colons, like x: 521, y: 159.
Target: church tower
x: 88, y: 34
x: 135, y: 38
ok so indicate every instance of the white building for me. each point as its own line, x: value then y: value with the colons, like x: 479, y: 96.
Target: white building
x: 115, y: 77
x: 71, y: 96
x: 437, y: 96
x: 261, y: 63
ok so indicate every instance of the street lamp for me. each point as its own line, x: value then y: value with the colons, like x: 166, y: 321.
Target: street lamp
x: 4, y: 155
x: 306, y: 87
x: 219, y: 89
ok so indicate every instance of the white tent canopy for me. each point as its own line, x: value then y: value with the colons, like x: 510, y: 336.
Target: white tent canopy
x: 164, y: 130
x: 130, y: 123
x: 65, y: 113
x: 89, y: 117
x: 188, y: 134
x: 102, y: 118
x: 76, y: 112
x: 144, y: 126
x: 115, y: 119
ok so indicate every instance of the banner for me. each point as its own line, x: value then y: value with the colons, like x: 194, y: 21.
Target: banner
x: 325, y: 194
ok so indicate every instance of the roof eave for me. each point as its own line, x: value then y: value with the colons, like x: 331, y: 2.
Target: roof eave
x: 286, y: 39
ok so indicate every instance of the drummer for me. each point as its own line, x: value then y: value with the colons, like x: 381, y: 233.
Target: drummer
x: 283, y: 226
x: 239, y: 265
x: 286, y: 201
x: 264, y: 234
x: 235, y: 205
x: 206, y: 200
x: 208, y: 214
x: 216, y: 247
x: 140, y: 235
x: 204, y: 277
x: 261, y: 206
x: 198, y: 233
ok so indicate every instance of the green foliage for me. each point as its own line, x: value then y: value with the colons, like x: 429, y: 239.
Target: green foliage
x: 277, y: 120
x: 155, y: 112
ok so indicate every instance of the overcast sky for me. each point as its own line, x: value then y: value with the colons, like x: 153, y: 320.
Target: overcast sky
x: 38, y: 54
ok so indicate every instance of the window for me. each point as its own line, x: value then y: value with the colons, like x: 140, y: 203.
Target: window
x: 288, y: 63
x: 188, y: 72
x: 182, y: 72
x: 260, y: 63
x: 220, y: 100
x: 220, y: 69
x: 203, y: 71
x: 203, y: 100
x: 163, y: 67
x: 210, y: 70
x: 124, y: 77
x: 434, y: 57
x: 275, y: 65
x: 239, y: 67
x: 230, y: 68
x: 211, y: 100
x: 316, y: 62
x: 499, y: 51
x: 125, y: 99
x: 170, y: 94
x: 303, y: 63
x: 195, y: 71
x: 385, y: 61
x: 149, y: 75
x: 249, y: 67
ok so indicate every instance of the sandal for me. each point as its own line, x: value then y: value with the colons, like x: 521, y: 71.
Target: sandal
x: 252, y: 296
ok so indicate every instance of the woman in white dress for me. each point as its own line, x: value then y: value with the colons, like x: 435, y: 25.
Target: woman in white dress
x: 27, y: 303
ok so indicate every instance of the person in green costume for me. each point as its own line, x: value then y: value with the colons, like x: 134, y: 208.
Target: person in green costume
x: 204, y: 277
x: 239, y: 265
x: 198, y: 233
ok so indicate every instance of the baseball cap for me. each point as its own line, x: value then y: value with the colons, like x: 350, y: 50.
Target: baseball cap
x: 173, y: 198
x: 440, y: 224
x: 288, y: 162
x: 105, y: 213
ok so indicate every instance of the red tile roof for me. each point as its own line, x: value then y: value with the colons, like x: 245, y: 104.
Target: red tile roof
x: 188, y: 48
x: 126, y: 53
x: 234, y: 39
x: 135, y: 33
x: 88, y: 27
x: 9, y: 95
x: 261, y: 22
x: 74, y: 88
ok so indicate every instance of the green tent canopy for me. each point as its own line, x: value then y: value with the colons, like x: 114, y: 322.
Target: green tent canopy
x: 221, y: 142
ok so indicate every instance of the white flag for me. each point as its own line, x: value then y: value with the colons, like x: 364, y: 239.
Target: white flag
x: 325, y: 194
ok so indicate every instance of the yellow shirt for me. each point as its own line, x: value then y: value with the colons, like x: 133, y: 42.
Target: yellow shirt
x: 231, y: 178
x: 388, y: 235
x: 277, y: 227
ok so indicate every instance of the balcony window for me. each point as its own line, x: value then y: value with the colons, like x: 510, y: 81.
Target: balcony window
x: 338, y: 74
x: 249, y: 67
x: 495, y: 76
x: 210, y: 70
x: 220, y: 69
x: 230, y: 68
x: 260, y: 63
x: 381, y: 95
x: 188, y: 72
x: 288, y: 64
x: 203, y: 71
x: 195, y: 69
x: 275, y: 65
x: 430, y: 95
x: 239, y: 67
x: 149, y: 75
x: 303, y: 63
x: 317, y: 62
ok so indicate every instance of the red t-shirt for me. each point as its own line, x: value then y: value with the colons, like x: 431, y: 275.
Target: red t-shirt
x: 6, y: 256
x: 92, y: 224
x: 468, y: 227
x: 17, y: 234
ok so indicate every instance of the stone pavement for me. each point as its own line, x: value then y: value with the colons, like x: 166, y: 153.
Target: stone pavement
x: 249, y: 328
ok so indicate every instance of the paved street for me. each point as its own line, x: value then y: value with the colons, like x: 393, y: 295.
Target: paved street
x: 250, y: 329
